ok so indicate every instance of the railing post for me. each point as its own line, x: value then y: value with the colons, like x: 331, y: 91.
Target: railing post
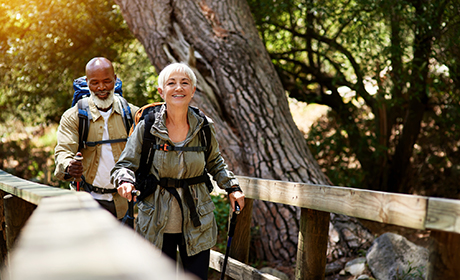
x: 444, y: 257
x: 241, y: 241
x: 312, y: 245
x: 17, y: 211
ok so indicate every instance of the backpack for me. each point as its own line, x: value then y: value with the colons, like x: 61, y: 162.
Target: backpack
x: 80, y: 97
x: 146, y: 182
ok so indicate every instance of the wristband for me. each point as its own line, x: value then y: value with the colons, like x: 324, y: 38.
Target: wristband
x: 234, y: 189
x: 125, y: 181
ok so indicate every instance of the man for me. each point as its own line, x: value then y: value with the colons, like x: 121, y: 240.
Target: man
x: 106, y: 123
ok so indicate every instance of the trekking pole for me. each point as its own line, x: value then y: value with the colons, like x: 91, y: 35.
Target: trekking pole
x: 78, y: 180
x: 131, y: 208
x: 231, y: 231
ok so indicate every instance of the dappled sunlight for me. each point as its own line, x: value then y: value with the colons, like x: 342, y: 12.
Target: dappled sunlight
x: 305, y: 115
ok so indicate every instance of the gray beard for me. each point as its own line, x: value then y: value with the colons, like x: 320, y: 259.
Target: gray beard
x: 103, y: 104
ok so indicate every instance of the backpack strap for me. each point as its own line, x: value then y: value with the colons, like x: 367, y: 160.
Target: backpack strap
x: 145, y: 182
x: 126, y: 113
x: 84, y: 119
x: 148, y: 150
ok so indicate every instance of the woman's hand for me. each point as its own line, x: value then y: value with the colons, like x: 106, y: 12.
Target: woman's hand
x: 238, y: 197
x: 125, y: 189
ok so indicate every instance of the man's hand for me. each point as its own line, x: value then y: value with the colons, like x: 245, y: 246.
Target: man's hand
x: 75, y: 167
x: 125, y: 189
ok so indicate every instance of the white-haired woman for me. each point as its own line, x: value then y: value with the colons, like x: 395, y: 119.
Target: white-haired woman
x: 178, y: 211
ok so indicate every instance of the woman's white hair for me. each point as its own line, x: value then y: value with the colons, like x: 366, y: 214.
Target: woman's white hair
x: 176, y: 67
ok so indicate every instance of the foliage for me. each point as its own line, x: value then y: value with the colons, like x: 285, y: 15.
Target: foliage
x: 411, y: 273
x: 383, y: 67
x: 221, y: 212
x: 46, y: 44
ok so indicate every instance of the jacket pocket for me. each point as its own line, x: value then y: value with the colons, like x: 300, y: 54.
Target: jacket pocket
x: 205, y: 211
x: 144, y: 217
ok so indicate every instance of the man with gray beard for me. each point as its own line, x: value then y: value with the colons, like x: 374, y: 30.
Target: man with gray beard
x: 106, y: 124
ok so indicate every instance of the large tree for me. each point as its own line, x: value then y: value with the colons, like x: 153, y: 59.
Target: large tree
x: 240, y: 89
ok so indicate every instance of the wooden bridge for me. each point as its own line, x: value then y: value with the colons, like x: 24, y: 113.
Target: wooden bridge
x: 54, y: 233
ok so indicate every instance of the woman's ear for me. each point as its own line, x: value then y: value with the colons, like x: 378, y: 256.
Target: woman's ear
x: 160, y: 91
x: 193, y: 92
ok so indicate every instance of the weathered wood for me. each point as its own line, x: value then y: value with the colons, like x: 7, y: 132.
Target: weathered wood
x: 390, y: 208
x: 27, y: 190
x: 444, y: 260
x: 236, y: 269
x: 17, y: 212
x: 239, y: 249
x: 312, y: 246
x: 72, y: 237
x: 443, y: 214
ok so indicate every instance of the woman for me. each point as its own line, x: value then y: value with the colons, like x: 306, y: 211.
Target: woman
x: 168, y: 218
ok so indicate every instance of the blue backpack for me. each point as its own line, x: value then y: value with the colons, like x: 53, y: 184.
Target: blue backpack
x: 80, y: 97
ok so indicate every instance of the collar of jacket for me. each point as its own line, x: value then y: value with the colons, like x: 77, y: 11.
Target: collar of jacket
x: 159, y: 126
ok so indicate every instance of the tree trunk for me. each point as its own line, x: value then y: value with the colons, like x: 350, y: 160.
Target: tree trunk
x: 240, y: 90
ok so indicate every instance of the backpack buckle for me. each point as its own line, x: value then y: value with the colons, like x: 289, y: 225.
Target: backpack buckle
x: 165, y: 147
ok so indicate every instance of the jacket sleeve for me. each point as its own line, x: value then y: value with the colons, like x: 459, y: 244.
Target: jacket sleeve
x: 216, y: 165
x: 67, y: 142
x: 128, y: 163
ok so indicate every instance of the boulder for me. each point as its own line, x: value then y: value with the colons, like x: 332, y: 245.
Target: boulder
x: 392, y: 256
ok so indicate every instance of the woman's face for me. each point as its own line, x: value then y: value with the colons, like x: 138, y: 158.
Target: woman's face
x: 178, y: 89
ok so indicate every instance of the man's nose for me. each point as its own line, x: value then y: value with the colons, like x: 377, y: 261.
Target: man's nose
x: 101, y: 86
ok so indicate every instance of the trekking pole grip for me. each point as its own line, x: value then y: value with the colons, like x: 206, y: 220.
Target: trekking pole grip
x: 136, y: 192
x: 237, y: 208
x: 78, y: 158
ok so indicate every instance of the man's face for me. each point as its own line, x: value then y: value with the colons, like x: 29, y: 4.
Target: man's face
x: 101, y: 81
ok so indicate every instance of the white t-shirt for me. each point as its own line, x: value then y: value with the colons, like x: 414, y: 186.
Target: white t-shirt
x: 106, y: 163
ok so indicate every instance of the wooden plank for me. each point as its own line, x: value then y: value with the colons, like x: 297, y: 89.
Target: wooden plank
x: 390, y: 208
x: 443, y: 214
x: 72, y: 237
x: 236, y: 269
x: 27, y: 190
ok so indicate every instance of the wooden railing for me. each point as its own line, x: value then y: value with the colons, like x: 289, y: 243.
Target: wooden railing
x: 70, y: 235
x: 440, y: 215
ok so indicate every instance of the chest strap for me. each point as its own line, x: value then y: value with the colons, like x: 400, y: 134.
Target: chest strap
x: 171, y: 186
x: 110, y: 141
x: 167, y: 147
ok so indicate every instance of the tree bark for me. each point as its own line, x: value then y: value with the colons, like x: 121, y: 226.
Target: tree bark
x: 240, y: 90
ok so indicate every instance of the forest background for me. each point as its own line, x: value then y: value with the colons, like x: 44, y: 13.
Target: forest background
x: 385, y: 73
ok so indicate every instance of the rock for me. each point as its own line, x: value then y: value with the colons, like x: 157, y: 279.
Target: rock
x: 356, y: 267
x: 333, y: 267
x: 274, y: 272
x: 392, y: 256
